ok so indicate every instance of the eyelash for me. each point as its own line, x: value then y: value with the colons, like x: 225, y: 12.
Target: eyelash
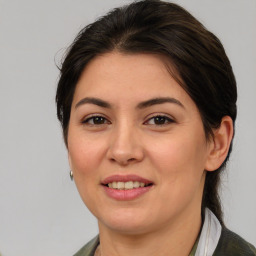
x: 167, y: 120
x: 94, y: 118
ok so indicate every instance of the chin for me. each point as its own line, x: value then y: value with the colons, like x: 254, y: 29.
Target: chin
x: 126, y: 222
x: 128, y: 228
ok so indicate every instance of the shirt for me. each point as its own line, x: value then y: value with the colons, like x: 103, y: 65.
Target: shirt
x: 213, y: 240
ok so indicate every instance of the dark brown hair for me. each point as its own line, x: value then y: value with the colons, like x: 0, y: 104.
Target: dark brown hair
x: 197, y: 56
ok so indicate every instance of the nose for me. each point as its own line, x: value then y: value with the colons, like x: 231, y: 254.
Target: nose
x: 125, y: 146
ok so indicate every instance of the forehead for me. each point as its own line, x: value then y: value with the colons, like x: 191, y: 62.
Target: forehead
x: 114, y: 76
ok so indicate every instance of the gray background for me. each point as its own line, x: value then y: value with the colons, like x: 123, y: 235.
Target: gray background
x: 40, y: 210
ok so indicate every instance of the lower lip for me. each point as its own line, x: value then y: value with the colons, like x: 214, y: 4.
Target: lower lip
x: 125, y: 195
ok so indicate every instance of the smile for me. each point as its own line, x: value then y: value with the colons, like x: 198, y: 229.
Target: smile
x: 126, y: 187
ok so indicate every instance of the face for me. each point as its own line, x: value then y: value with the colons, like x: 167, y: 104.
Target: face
x: 136, y: 144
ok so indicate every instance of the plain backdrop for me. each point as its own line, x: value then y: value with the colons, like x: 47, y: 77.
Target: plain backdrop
x: 41, y: 212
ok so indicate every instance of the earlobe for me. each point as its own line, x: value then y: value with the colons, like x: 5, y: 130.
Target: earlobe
x: 220, y: 144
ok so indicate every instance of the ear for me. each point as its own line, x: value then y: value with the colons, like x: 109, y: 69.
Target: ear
x: 220, y: 144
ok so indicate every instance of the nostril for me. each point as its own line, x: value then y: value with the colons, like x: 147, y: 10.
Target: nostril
x: 123, y: 161
x: 131, y: 159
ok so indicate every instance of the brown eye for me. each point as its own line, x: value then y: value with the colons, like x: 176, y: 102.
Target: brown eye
x: 159, y: 120
x: 96, y: 120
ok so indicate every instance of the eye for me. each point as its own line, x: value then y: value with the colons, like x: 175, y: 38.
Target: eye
x: 159, y: 120
x: 95, y: 120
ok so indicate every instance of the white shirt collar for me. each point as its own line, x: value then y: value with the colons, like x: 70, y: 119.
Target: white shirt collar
x: 209, y: 236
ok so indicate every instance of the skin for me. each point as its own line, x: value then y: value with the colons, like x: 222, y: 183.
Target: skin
x: 173, y: 155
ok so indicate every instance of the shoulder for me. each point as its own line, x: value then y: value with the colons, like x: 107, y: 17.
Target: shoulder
x: 89, y: 248
x: 231, y: 244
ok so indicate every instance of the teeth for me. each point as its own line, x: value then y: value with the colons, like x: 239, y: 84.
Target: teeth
x: 120, y: 185
x: 126, y: 185
x: 136, y: 184
x: 114, y: 184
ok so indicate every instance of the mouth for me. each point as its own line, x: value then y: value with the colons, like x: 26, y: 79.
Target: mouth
x: 126, y: 182
x: 126, y: 187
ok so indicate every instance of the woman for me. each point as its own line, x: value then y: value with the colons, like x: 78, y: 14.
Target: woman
x: 147, y: 103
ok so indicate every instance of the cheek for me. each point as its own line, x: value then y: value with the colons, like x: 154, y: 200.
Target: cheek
x: 85, y: 158
x: 180, y: 169
x: 179, y: 158
x: 84, y: 154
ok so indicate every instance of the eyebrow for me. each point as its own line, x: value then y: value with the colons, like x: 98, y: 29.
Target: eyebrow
x: 161, y: 100
x: 95, y: 101
x: 141, y: 105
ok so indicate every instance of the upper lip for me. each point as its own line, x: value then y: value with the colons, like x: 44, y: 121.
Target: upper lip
x: 125, y: 178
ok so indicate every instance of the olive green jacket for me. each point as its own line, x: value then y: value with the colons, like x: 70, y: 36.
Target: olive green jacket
x: 230, y: 244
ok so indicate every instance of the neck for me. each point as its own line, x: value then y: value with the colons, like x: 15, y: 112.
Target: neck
x: 176, y: 239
